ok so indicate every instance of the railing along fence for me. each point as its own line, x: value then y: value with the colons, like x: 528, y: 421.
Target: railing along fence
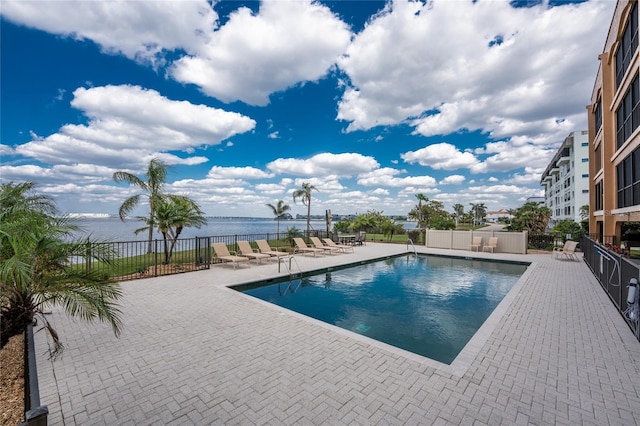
x: 614, y: 272
x: 131, y: 260
x: 604, y: 239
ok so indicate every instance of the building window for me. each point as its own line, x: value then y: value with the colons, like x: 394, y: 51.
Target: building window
x: 598, y: 157
x: 585, y: 175
x: 628, y: 45
x: 598, y: 114
x: 585, y: 160
x: 584, y: 144
x: 628, y: 114
x: 585, y: 191
x: 628, y: 180
x: 598, y: 200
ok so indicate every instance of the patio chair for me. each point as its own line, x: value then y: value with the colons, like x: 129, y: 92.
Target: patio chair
x: 493, y: 243
x: 302, y: 247
x: 342, y: 247
x: 222, y: 253
x: 318, y: 244
x: 265, y: 248
x: 476, y: 243
x: 247, y: 251
x: 361, y: 238
x: 568, y: 250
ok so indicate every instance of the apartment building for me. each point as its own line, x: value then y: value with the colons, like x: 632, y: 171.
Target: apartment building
x: 614, y: 137
x: 566, y: 179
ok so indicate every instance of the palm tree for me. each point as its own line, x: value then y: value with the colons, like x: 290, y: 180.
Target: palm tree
x: 35, y: 272
x: 420, y: 216
x: 458, y: 210
x: 155, y: 179
x: 278, y: 211
x: 305, y: 195
x: 172, y: 214
x: 479, y: 212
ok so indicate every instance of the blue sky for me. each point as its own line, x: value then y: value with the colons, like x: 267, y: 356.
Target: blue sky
x: 372, y: 102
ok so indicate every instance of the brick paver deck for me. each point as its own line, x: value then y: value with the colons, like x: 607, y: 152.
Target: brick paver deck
x: 195, y: 352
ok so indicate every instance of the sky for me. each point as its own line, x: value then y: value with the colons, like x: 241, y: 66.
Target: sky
x: 371, y: 102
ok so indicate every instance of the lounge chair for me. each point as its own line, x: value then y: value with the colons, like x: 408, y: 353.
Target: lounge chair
x: 493, y: 243
x: 302, y: 247
x: 265, y: 248
x: 343, y: 247
x: 318, y: 244
x: 247, y: 251
x: 222, y: 253
x: 476, y: 243
x: 568, y: 250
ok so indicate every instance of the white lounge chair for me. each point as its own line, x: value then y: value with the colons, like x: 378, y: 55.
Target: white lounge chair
x: 343, y: 247
x: 302, y: 247
x: 568, y: 250
x: 222, y: 253
x: 318, y: 244
x: 247, y: 251
x: 265, y: 248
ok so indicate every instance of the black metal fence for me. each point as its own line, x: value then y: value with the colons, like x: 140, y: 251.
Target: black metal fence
x: 614, y: 272
x: 131, y: 260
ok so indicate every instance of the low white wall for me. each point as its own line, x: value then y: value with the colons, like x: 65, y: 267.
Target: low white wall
x: 508, y: 242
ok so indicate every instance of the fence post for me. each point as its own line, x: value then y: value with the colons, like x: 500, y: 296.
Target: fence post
x: 155, y: 258
x: 87, y: 257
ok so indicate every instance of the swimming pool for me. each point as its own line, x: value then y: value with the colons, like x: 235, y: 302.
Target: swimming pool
x: 428, y: 305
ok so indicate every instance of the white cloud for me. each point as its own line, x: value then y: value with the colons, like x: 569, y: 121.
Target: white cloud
x: 452, y: 180
x: 254, y: 55
x: 129, y: 125
x: 324, y: 184
x: 379, y: 191
x: 531, y: 176
x: 387, y: 177
x: 218, y: 172
x: 507, y: 157
x: 441, y: 156
x: 436, y: 66
x: 6, y: 150
x: 345, y: 164
x: 140, y: 30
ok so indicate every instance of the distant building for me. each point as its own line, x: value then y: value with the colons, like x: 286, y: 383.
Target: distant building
x: 614, y: 140
x: 494, y: 217
x: 539, y: 200
x: 566, y: 179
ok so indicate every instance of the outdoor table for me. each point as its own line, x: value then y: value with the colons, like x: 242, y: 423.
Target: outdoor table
x: 347, y: 239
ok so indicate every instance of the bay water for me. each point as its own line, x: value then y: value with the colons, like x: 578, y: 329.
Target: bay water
x: 115, y: 230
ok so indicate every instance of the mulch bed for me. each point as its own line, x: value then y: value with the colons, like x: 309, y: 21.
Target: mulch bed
x: 12, y: 381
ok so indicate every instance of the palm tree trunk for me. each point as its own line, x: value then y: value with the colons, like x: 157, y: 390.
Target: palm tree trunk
x: 308, y: 218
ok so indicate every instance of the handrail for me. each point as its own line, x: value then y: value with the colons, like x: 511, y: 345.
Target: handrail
x: 289, y: 269
x: 409, y: 241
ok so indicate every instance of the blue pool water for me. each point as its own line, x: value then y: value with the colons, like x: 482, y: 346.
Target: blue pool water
x: 429, y: 305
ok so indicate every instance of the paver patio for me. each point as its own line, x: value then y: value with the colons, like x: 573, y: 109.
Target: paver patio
x: 193, y: 351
